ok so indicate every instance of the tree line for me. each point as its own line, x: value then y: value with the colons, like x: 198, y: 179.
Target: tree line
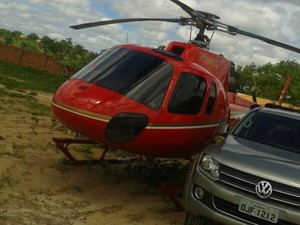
x: 266, y: 81
x: 64, y: 51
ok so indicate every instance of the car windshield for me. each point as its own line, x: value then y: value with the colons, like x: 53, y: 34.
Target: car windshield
x: 274, y: 130
x: 137, y: 75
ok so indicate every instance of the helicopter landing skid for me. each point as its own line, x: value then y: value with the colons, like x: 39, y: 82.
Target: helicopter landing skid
x: 169, y: 188
x: 63, y: 143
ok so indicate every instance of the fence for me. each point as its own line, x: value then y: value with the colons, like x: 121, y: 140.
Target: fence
x: 35, y: 60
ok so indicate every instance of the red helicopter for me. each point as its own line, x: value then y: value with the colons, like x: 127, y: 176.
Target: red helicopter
x: 158, y: 103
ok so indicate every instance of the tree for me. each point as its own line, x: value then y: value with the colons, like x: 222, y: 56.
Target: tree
x: 30, y: 45
x: 268, y: 80
x: 33, y: 37
x: 245, y: 78
x: 285, y: 68
x: 64, y: 51
x: 6, y: 37
x: 16, y: 34
x: 80, y: 57
x: 48, y: 45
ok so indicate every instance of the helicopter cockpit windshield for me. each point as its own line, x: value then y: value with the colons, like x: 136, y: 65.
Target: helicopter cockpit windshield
x: 137, y: 75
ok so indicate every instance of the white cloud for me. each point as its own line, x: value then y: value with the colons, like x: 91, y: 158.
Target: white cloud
x: 56, y: 36
x: 274, y: 19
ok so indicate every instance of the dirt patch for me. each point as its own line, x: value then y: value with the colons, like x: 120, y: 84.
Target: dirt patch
x: 38, y: 186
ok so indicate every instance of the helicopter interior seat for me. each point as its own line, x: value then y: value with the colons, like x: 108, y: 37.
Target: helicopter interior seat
x: 193, y: 104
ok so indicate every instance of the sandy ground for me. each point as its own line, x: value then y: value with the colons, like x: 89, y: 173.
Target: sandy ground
x: 37, y: 186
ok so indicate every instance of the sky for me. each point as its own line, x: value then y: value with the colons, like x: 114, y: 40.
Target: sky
x: 274, y: 19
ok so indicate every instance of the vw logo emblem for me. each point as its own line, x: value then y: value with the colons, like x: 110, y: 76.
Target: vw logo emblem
x: 263, y: 189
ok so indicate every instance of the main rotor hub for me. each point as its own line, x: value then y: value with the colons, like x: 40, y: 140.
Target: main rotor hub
x: 206, y: 15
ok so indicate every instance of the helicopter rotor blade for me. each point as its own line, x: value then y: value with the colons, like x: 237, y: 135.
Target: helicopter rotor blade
x: 235, y: 30
x: 197, y: 16
x: 209, y: 19
x: 185, y: 7
x: 200, y: 18
x: 126, y: 20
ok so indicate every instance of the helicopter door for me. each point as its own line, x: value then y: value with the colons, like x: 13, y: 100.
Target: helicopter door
x: 188, y: 94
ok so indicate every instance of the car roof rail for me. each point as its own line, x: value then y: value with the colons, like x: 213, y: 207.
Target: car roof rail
x: 274, y: 106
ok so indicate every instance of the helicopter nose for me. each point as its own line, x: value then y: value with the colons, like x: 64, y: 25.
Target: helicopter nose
x: 125, y: 127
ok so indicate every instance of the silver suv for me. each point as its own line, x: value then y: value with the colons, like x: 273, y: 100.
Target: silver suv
x: 252, y: 177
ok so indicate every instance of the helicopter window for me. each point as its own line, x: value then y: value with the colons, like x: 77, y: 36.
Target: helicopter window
x: 188, y: 94
x: 169, y: 54
x: 90, y: 71
x: 137, y: 75
x: 212, y: 98
x: 177, y: 50
x: 151, y: 90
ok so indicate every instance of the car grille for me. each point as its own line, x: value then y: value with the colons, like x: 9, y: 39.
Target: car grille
x: 245, y: 182
x: 232, y: 209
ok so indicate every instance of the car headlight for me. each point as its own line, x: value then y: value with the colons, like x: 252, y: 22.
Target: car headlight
x: 209, y: 166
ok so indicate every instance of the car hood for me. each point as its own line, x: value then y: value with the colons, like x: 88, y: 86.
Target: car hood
x: 258, y: 159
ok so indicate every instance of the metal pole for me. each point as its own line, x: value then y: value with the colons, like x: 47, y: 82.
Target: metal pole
x: 285, y: 87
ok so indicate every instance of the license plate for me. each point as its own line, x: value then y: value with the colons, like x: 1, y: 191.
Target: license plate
x: 259, y: 210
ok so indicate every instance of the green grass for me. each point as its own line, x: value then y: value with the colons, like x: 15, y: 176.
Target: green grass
x: 24, y: 99
x: 25, y: 78
x: 22, y: 85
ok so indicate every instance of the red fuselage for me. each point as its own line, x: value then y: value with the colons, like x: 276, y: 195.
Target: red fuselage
x: 144, y: 101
